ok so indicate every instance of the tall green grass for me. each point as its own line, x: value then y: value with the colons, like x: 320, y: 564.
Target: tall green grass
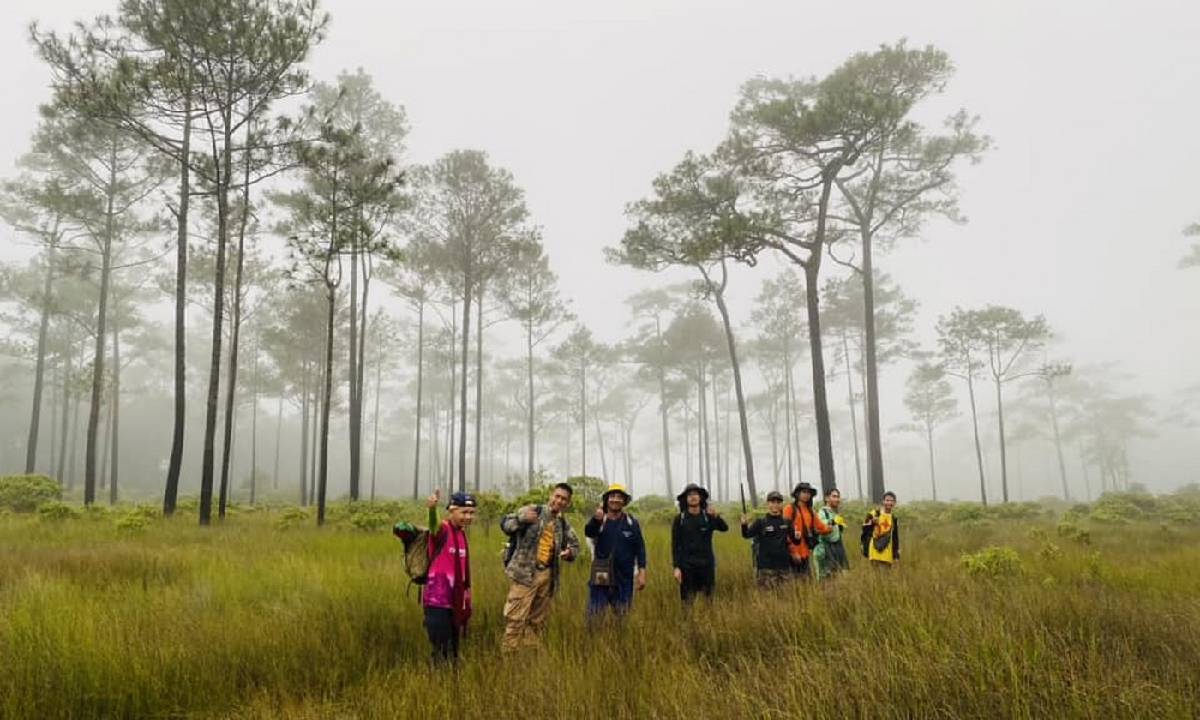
x: 250, y: 620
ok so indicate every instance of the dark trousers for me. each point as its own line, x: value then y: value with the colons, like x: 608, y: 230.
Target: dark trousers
x: 443, y: 635
x: 697, y: 580
x: 800, y: 567
x: 619, y: 597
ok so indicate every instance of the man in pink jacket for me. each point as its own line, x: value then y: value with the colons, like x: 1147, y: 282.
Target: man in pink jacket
x: 447, y: 595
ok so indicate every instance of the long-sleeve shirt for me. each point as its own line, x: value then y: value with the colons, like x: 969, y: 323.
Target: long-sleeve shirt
x: 621, y: 539
x: 524, y: 563
x: 772, y: 549
x: 449, y: 581
x: 691, y: 539
x: 805, y: 524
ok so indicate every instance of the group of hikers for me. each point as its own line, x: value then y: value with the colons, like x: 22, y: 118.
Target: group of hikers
x: 793, y: 541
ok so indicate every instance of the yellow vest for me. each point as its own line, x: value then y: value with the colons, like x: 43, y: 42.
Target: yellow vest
x: 883, y: 529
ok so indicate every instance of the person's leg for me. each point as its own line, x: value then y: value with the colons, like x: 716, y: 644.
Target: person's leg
x: 539, y: 608
x: 687, y: 586
x: 443, y: 637
x: 708, y: 581
x: 517, y: 611
x: 597, y: 599
x: 622, y: 596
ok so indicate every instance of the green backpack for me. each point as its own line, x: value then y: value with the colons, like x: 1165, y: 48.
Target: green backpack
x: 419, y: 550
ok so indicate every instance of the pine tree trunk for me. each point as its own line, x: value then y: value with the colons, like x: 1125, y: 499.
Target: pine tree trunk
x: 89, y: 471
x: 853, y: 417
x: 235, y: 337
x: 327, y: 394
x: 478, y: 383
x: 788, y: 417
x: 278, y: 437
x: 214, y: 374
x: 975, y: 428
x: 304, y: 413
x: 355, y: 408
x: 254, y: 428
x: 1062, y: 465
x: 39, y: 371
x: 663, y: 410
x: 1003, y: 448
x: 531, y: 461
x: 813, y: 305
x: 68, y: 365
x: 932, y: 472
x: 175, y: 464
x: 743, y: 419
x: 114, y: 477
x: 462, y: 420
x: 420, y: 396
x: 375, y: 421
x: 874, y: 441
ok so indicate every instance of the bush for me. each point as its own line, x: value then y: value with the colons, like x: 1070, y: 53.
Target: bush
x: 133, y: 521
x: 24, y: 493
x: 1072, y: 531
x: 370, y: 519
x: 1121, y: 507
x: 56, y: 510
x: 292, y: 516
x: 992, y: 562
x: 650, y: 504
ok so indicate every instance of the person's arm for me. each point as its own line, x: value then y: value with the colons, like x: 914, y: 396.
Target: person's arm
x: 571, y: 544
x: 592, y: 529
x: 676, y: 541
x: 640, y: 581
x: 719, y: 524
x: 822, y: 527
x: 753, y: 529
x: 511, y: 522
x: 435, y: 529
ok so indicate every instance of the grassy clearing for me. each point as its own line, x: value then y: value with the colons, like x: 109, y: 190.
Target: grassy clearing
x: 250, y: 620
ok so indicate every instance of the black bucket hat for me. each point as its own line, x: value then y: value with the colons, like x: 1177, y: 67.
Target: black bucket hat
x: 803, y: 486
x: 690, y: 487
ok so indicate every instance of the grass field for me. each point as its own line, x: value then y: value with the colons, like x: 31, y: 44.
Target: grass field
x: 266, y: 618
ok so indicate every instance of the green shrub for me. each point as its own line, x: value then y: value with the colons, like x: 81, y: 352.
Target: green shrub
x: 56, y: 510
x: 370, y: 519
x: 133, y: 521
x: 1118, y: 508
x: 992, y: 562
x: 292, y: 516
x: 650, y: 504
x: 1049, y: 551
x: 1072, y: 531
x: 24, y: 493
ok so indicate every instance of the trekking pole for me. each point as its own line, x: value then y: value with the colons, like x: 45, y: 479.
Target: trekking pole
x: 742, y: 492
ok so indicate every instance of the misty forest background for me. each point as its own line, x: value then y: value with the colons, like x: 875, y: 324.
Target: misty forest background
x: 235, y: 287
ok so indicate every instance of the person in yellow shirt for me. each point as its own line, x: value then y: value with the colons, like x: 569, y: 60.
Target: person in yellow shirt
x: 540, y: 537
x: 881, y: 534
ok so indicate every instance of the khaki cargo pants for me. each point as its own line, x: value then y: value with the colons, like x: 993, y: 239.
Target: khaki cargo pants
x: 525, y: 612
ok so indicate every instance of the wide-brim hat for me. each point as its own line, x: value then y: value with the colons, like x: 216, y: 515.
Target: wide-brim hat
x: 617, y: 488
x: 803, y: 486
x: 692, y: 487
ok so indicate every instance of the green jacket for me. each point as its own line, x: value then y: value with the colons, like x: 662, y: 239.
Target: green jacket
x: 523, y: 564
x: 827, y: 516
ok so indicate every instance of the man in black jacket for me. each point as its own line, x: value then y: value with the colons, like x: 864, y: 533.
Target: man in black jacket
x: 691, y: 543
x: 772, y: 557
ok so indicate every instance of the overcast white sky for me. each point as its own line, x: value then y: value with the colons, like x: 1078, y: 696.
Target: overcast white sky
x: 1077, y: 213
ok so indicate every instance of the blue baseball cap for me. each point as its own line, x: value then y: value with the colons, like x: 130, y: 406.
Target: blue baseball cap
x: 459, y: 499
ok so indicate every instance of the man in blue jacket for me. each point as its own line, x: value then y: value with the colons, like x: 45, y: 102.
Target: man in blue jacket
x: 619, y: 555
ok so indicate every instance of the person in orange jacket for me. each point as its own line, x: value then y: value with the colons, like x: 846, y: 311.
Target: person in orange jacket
x: 806, y: 526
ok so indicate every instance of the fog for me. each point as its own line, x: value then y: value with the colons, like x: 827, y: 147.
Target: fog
x: 1076, y: 212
